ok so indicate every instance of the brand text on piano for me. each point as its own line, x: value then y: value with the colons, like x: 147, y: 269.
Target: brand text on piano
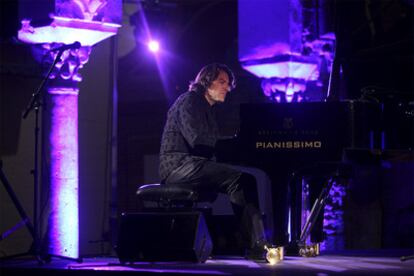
x: 289, y: 145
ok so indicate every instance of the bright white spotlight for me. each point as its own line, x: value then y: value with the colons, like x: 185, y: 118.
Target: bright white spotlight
x: 153, y: 46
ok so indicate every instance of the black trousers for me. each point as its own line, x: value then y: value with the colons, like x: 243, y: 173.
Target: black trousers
x: 208, y: 176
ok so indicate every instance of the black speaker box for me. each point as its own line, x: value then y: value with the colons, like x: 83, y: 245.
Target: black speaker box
x: 158, y: 237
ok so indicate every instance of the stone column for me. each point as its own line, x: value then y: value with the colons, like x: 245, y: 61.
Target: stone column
x: 67, y: 21
x: 60, y: 152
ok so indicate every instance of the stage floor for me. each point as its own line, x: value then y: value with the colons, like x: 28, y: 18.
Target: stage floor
x: 350, y: 263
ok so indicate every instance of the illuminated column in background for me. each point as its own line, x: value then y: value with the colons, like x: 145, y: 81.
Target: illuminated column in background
x: 88, y: 22
x: 60, y: 143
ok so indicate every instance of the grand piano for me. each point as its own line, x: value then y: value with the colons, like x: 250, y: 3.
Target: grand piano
x: 289, y: 140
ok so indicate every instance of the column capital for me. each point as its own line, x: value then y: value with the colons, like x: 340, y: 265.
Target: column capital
x: 67, y: 68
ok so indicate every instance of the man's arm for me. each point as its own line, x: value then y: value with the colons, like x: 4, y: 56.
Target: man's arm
x: 194, y: 126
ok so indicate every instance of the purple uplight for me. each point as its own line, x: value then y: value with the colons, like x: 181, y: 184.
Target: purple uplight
x: 153, y: 46
x: 63, y: 226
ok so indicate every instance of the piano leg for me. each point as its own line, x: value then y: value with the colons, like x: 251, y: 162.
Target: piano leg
x: 295, y: 214
x: 316, y: 185
x: 312, y: 187
x: 280, y: 200
x: 303, y: 192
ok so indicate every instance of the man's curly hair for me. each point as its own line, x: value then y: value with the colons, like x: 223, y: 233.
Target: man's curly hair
x: 208, y: 74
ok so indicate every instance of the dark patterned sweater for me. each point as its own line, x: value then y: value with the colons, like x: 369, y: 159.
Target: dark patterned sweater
x: 190, y: 132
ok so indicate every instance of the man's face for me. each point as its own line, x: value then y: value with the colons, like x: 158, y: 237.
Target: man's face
x: 218, y: 89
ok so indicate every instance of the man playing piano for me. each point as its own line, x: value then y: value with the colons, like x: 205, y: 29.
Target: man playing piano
x: 187, y: 152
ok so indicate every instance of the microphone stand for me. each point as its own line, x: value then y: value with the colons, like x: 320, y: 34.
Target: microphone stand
x: 34, y: 104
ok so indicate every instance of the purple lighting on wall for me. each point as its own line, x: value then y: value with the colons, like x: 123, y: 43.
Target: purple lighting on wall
x: 333, y: 220
x: 275, y: 46
x: 63, y: 226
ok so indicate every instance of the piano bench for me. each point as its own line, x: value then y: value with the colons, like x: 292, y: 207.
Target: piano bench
x: 173, y: 196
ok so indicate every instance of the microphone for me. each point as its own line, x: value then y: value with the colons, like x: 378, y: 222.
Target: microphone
x: 74, y: 45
